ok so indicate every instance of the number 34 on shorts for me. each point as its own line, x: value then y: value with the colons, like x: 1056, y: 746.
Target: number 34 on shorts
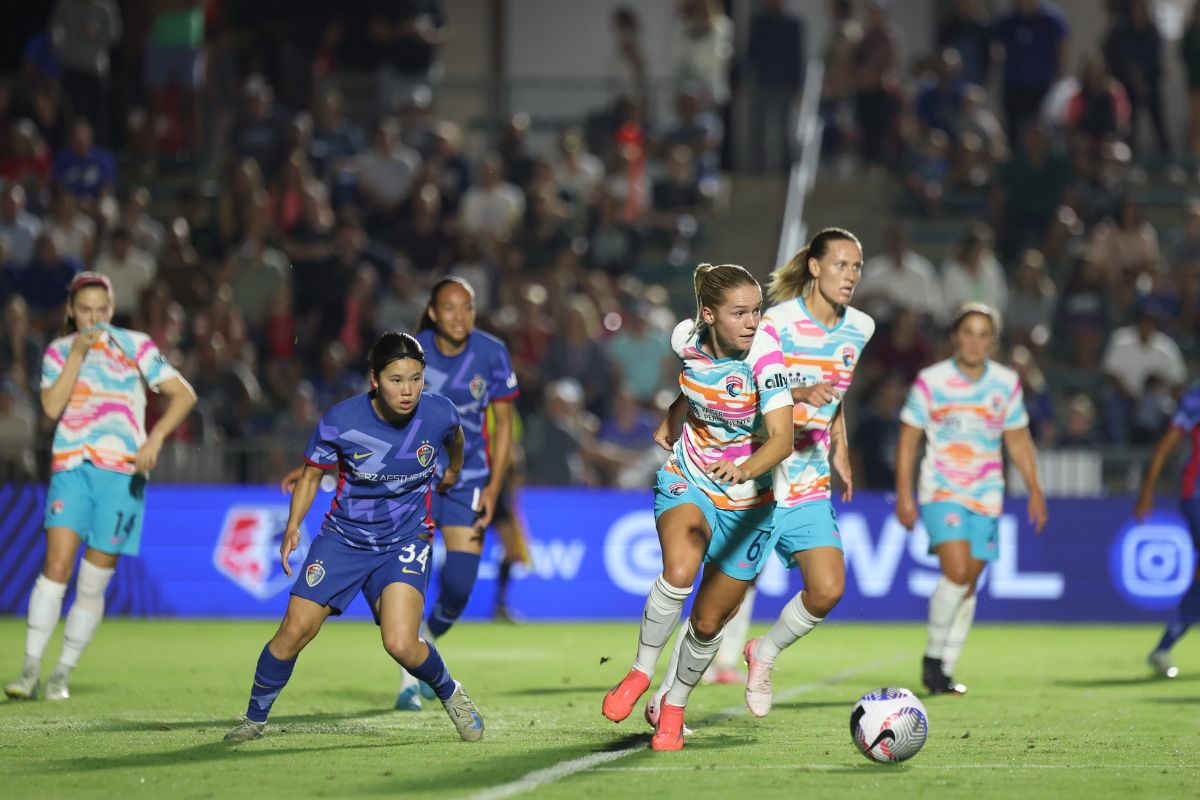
x: 413, y: 554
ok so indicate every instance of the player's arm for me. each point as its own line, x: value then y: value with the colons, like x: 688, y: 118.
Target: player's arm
x: 671, y: 427
x: 1024, y: 456
x: 502, y: 438
x: 778, y: 423
x: 454, y: 448
x: 181, y: 398
x: 906, y: 458
x: 302, y: 498
x: 1145, y: 501
x: 56, y: 396
x: 840, y: 457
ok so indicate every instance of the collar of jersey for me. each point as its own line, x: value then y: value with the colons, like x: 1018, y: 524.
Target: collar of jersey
x: 987, y: 367
x: 817, y: 322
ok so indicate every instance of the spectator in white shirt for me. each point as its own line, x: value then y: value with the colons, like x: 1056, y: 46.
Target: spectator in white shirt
x: 18, y: 226
x: 386, y: 172
x: 130, y: 269
x: 900, y: 278
x: 1136, y: 353
x: 975, y: 275
x: 492, y: 207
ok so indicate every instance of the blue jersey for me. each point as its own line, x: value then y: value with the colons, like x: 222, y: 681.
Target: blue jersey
x: 1187, y: 420
x: 385, y: 473
x: 480, y: 375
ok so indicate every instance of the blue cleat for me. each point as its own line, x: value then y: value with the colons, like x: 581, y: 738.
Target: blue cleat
x: 409, y: 699
x: 427, y: 691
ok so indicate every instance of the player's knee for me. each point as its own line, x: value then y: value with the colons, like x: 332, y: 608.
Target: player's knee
x: 706, y: 627
x: 293, y: 635
x: 957, y: 573
x: 403, y: 648
x: 57, y: 570
x: 823, y: 595
x: 681, y: 576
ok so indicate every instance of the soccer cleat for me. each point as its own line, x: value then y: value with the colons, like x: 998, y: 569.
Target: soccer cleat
x: 409, y: 699
x: 654, y: 708
x: 936, y: 680
x: 619, y: 702
x: 1159, y: 660
x: 668, y: 734
x: 246, y: 731
x: 464, y: 715
x: 426, y: 690
x: 56, y: 685
x: 26, y: 686
x: 759, y: 695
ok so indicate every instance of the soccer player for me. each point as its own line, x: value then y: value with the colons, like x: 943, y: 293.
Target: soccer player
x: 386, y: 445
x: 822, y: 339
x: 1185, y: 423
x: 965, y: 407
x: 93, y: 382
x: 712, y: 499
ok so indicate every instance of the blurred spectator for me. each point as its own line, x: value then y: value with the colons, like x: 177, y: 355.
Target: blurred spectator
x: 701, y: 48
x: 492, y: 208
x: 878, y: 432
x: 902, y: 349
x: 513, y: 149
x: 941, y: 94
x: 336, y: 380
x: 451, y: 168
x: 130, y: 269
x: 578, y: 172
x: 577, y: 353
x: 83, y: 32
x: 407, y: 36
x: 1031, y: 302
x: 45, y: 108
x: 385, y: 175
x: 1099, y: 111
x: 1102, y: 181
x: 21, y: 349
x: 1182, y: 244
x: 1083, y: 315
x: 292, y: 431
x: 144, y: 231
x: 545, y: 233
x: 612, y: 246
x: 312, y: 248
x: 876, y: 99
x: 965, y: 29
x: 1039, y: 402
x: 84, y: 169
x: 260, y: 131
x: 776, y: 57
x: 224, y: 385
x: 260, y: 272
x: 1079, y: 425
x: 401, y: 303
x: 1152, y: 411
x: 702, y: 132
x: 900, y: 278
x: 43, y: 283
x: 27, y: 159
x: 1125, y: 247
x: 974, y: 274
x: 838, y: 86
x: 75, y: 230
x: 244, y: 203
x: 18, y: 226
x: 1189, y: 52
x: 423, y: 235
x: 174, y: 59
x: 181, y: 269
x: 1135, y: 354
x: 1028, y: 194
x: 358, y: 327
x: 626, y: 452
x: 625, y: 72
x: 928, y: 172
x: 642, y: 357
x: 335, y: 139
x: 979, y: 128
x: 557, y: 437
x: 679, y: 203
x: 1133, y: 49
x: 18, y: 433
x: 1033, y: 36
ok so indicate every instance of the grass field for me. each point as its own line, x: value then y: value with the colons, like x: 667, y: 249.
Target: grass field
x: 1053, y: 711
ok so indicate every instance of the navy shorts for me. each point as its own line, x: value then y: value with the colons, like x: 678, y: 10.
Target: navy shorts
x: 334, y: 571
x: 457, y: 508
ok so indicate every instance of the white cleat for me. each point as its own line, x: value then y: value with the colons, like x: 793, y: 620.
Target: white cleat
x: 759, y: 695
x: 56, y: 685
x: 246, y: 730
x: 464, y: 715
x: 1160, y: 662
x: 26, y: 686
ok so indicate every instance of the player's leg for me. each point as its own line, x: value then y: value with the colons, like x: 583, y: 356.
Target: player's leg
x: 726, y: 666
x: 960, y: 626
x: 456, y: 513
x: 1189, y: 605
x: 96, y: 570
x: 683, y: 533
x: 949, y: 539
x: 511, y: 528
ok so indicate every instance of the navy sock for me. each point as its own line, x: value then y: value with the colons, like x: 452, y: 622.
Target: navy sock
x: 270, y: 676
x: 458, y: 578
x: 1189, y: 613
x: 435, y: 673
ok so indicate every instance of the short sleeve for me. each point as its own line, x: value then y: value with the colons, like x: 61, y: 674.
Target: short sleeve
x: 322, y: 450
x: 153, y: 364
x: 766, y: 364
x: 1015, y: 415
x: 53, y: 361
x: 453, y: 422
x: 502, y: 380
x: 916, y: 408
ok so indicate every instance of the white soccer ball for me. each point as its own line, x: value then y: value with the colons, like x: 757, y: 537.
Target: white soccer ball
x: 889, y: 725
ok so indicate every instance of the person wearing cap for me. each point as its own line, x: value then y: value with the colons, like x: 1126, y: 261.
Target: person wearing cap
x: 93, y: 382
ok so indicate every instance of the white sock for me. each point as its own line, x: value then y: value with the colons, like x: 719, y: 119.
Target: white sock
x: 794, y: 622
x: 737, y: 630
x: 45, y: 607
x: 694, y: 657
x: 959, y: 629
x: 943, y: 605
x: 660, y: 617
x: 672, y: 665
x: 86, y: 612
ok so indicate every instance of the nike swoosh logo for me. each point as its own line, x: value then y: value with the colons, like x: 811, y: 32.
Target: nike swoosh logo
x: 357, y: 456
x: 408, y: 571
x: 745, y: 564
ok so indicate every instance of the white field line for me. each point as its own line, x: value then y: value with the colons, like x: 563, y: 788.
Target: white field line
x: 565, y: 769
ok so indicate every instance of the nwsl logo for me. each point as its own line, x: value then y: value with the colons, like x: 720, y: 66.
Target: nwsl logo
x: 425, y: 454
x: 734, y: 385
x: 247, y: 550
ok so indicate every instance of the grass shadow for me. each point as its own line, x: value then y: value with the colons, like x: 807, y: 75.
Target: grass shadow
x: 553, y: 690
x: 1108, y: 683
x: 278, y: 722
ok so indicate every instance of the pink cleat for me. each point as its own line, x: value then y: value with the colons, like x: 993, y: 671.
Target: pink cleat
x: 759, y: 695
x: 668, y: 734
x: 724, y: 676
x: 619, y: 702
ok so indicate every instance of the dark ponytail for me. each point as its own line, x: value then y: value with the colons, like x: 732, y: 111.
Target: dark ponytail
x: 426, y: 322
x: 394, y: 346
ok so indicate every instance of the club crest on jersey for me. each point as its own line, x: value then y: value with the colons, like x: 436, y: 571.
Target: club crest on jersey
x: 996, y: 402
x: 314, y: 574
x: 425, y: 454
x: 57, y: 506
x: 953, y: 520
x: 848, y: 355
x: 478, y: 387
x: 734, y: 385
x: 677, y: 489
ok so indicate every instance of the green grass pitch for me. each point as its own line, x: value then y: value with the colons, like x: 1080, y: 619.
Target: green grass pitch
x: 1053, y: 711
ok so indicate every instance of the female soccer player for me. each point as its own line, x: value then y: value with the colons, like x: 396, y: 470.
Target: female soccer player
x: 93, y: 383
x: 1185, y: 423
x: 822, y: 339
x: 376, y: 536
x: 712, y: 500
x: 965, y: 406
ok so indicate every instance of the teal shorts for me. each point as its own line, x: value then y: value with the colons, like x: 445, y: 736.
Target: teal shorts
x: 803, y: 527
x: 103, y: 507
x: 947, y: 522
x: 740, y: 539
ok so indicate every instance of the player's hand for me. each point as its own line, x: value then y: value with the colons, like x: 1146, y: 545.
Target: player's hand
x: 86, y: 338
x: 1038, y: 513
x: 449, y: 478
x: 664, y: 437
x: 818, y: 395
x: 726, y: 472
x: 147, y: 454
x: 487, y: 507
x: 906, y: 511
x: 288, y: 484
x: 291, y: 540
x: 841, y: 465
x: 1145, y: 504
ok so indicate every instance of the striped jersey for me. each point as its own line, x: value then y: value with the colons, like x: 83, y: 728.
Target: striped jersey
x: 1187, y: 420
x: 105, y: 418
x: 727, y: 398
x: 964, y: 422
x: 812, y: 354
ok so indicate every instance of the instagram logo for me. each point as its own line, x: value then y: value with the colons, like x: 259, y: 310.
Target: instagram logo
x: 1153, y: 562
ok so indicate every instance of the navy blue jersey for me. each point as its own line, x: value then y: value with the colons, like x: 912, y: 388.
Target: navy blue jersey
x: 480, y: 375
x: 385, y: 473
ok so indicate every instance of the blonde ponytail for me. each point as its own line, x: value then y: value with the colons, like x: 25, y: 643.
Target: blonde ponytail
x: 794, y: 279
x: 712, y: 281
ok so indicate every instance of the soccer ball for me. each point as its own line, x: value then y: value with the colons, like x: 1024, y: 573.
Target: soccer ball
x: 889, y: 725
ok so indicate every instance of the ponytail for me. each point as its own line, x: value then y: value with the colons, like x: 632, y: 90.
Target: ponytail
x: 426, y: 321
x: 711, y: 283
x: 794, y: 279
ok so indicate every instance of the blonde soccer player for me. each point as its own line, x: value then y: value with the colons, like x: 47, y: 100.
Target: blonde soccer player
x: 967, y: 408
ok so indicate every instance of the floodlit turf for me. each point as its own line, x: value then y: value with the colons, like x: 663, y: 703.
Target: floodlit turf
x: 1063, y: 712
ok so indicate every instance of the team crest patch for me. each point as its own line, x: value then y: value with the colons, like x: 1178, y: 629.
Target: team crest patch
x: 478, y: 387
x: 425, y: 454
x: 953, y: 520
x: 314, y: 574
x: 57, y: 506
x: 848, y: 355
x: 677, y: 489
x: 734, y: 385
x: 996, y: 402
